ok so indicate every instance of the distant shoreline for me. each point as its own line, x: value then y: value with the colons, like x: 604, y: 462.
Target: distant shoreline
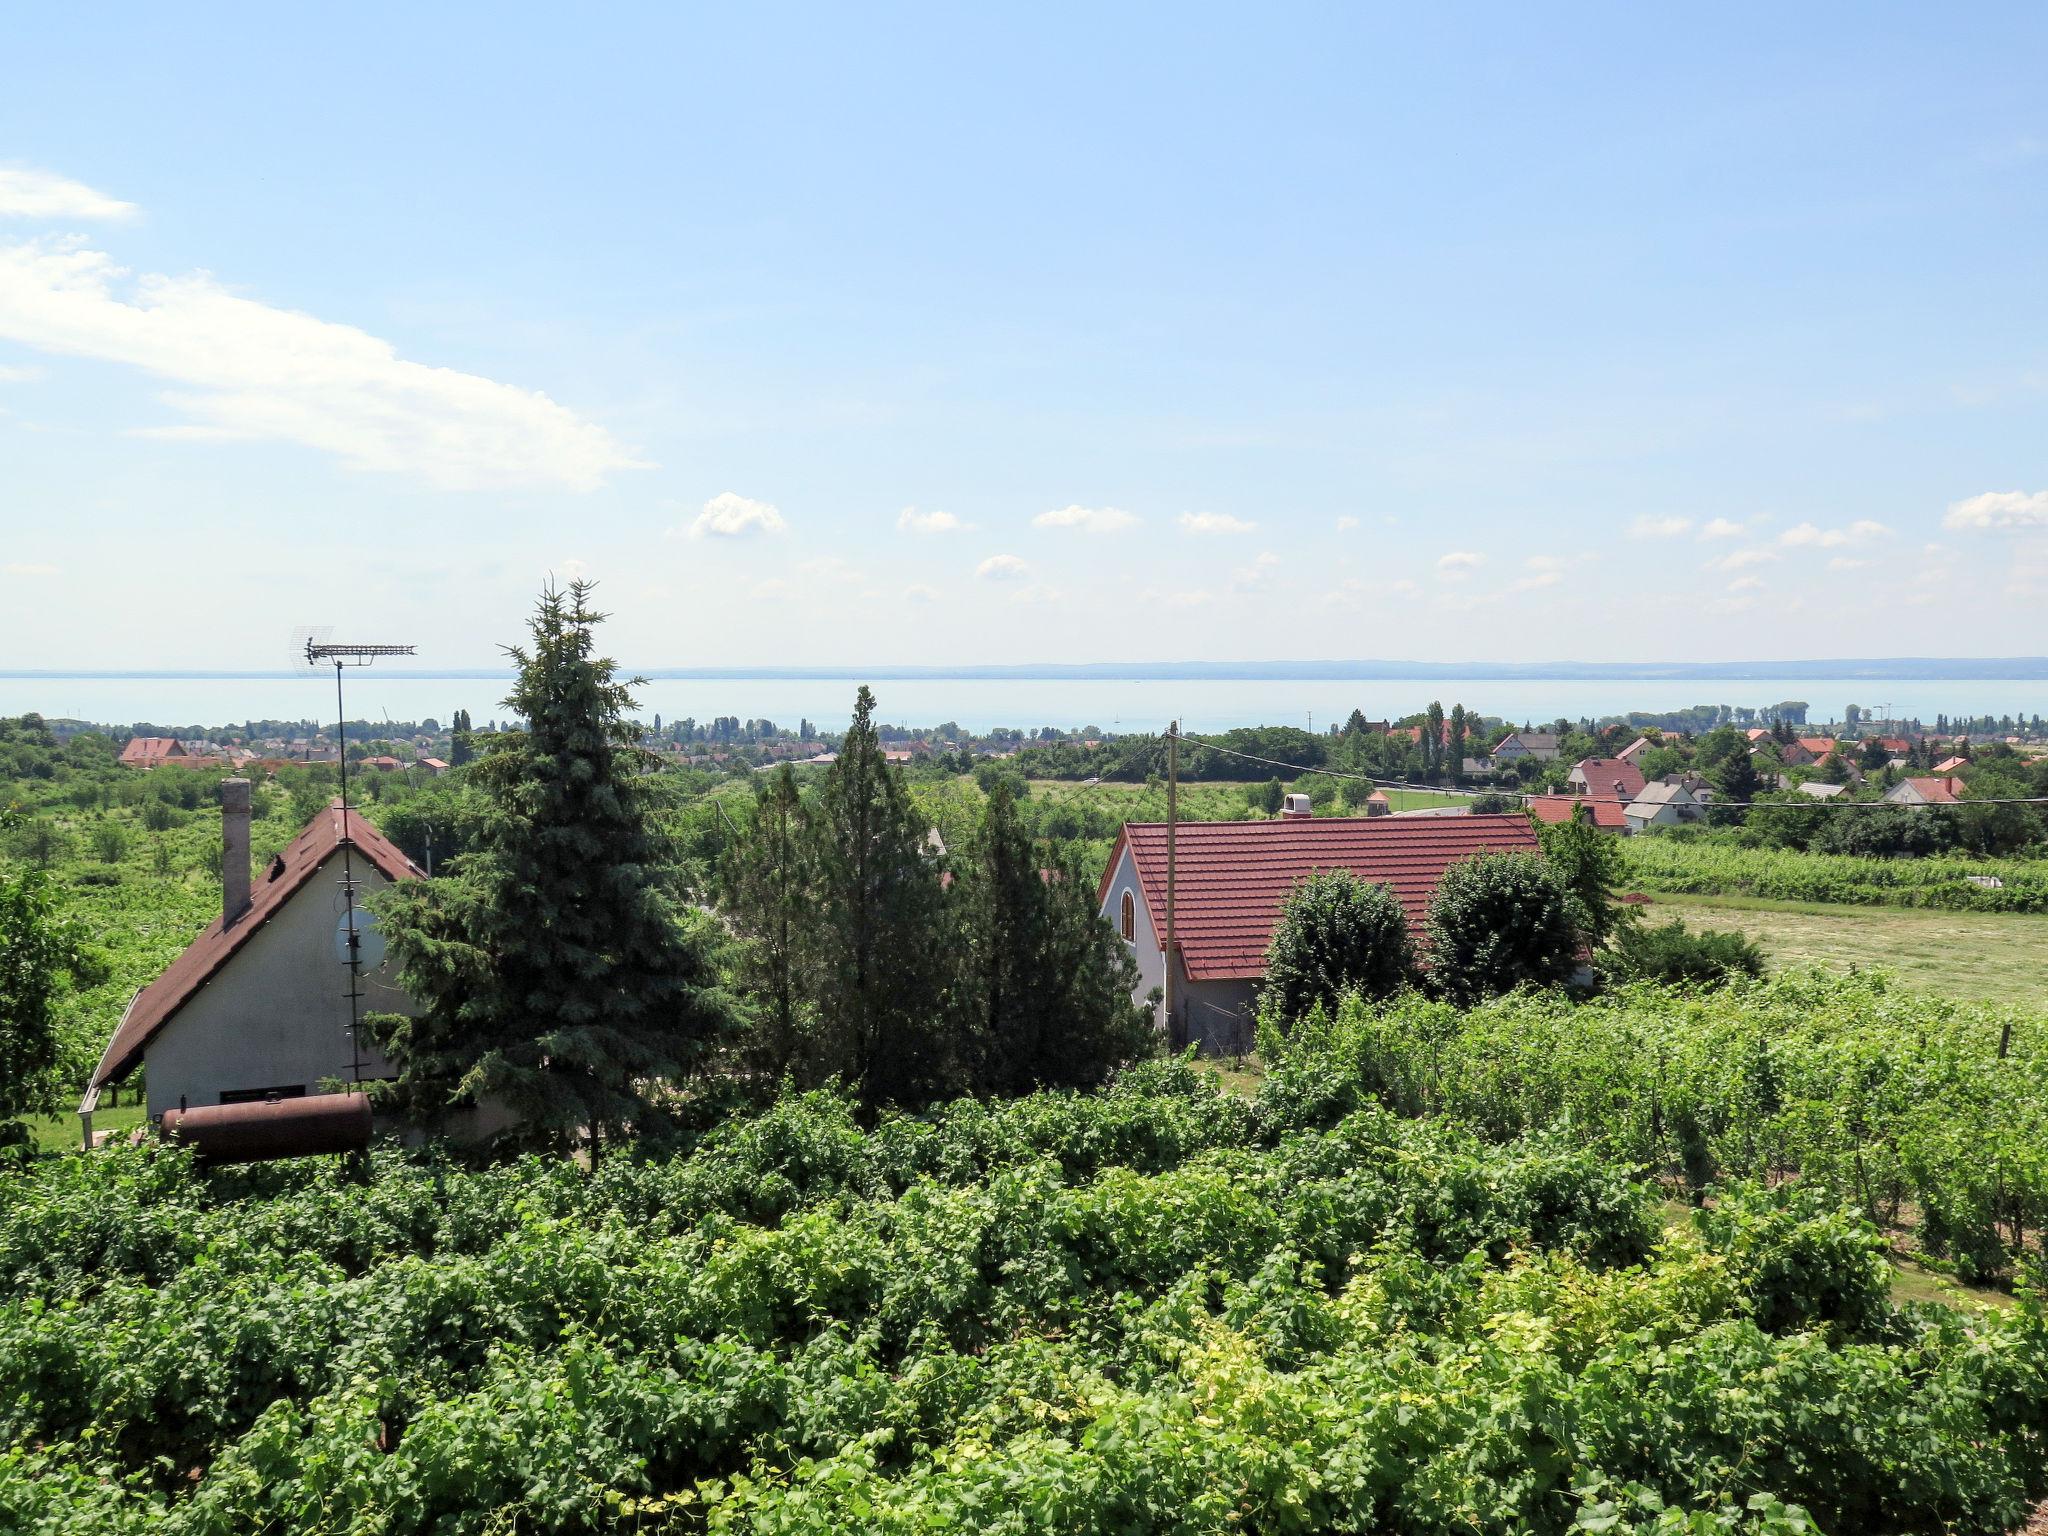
x: 1874, y: 670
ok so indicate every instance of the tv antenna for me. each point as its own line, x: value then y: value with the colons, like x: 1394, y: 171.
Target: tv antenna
x: 317, y: 650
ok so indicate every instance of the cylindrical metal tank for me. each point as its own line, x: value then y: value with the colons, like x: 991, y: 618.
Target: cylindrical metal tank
x: 256, y: 1133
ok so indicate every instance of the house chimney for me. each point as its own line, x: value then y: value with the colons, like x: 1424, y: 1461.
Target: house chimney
x: 1296, y: 808
x: 234, y: 850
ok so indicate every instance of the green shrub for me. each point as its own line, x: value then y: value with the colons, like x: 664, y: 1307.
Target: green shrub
x: 1672, y: 955
x: 1336, y: 934
x: 1498, y: 922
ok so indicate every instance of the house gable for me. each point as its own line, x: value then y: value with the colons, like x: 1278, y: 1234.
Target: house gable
x: 271, y: 888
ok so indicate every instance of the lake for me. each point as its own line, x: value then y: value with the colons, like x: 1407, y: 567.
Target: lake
x: 979, y: 704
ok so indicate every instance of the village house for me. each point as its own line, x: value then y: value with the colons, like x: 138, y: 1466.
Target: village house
x: 1606, y: 778
x: 1662, y: 804
x: 1231, y: 879
x: 1949, y: 765
x: 1632, y: 753
x: 1605, y: 811
x: 1923, y: 792
x: 257, y: 1007
x: 1541, y: 745
x: 1820, y: 789
x: 152, y: 751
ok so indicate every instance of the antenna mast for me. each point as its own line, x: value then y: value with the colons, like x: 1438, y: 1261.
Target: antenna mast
x: 318, y: 651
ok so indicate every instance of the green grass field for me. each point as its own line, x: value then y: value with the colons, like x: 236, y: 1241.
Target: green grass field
x: 59, y: 1132
x: 1994, y: 956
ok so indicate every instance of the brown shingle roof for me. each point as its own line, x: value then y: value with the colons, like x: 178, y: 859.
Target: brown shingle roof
x: 156, y: 1004
x: 1231, y: 877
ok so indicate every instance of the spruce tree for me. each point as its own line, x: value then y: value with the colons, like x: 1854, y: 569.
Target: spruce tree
x: 1736, y: 782
x: 1044, y: 992
x: 875, y: 947
x: 555, y: 975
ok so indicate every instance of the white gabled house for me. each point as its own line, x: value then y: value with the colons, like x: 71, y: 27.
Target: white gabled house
x: 257, y: 1007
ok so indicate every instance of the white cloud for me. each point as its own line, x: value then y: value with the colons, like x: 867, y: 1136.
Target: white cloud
x: 1807, y: 535
x: 1648, y: 527
x: 28, y: 568
x: 11, y: 374
x: 1213, y: 522
x: 918, y: 592
x: 1999, y: 509
x: 1346, y: 524
x: 1543, y: 571
x: 1459, y: 564
x: 1721, y: 528
x: 1087, y: 519
x: 910, y: 520
x: 1407, y: 586
x: 1152, y: 597
x: 832, y: 568
x: 1253, y: 577
x: 1746, y: 584
x: 1742, y: 559
x: 248, y: 371
x: 27, y: 194
x: 1002, y: 568
x: 729, y: 515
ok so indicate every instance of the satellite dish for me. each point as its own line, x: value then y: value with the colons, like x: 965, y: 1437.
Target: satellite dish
x: 368, y: 949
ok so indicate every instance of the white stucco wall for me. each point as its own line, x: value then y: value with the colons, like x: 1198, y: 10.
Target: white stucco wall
x: 277, y: 1013
x: 1151, y: 961
x: 1216, y: 1014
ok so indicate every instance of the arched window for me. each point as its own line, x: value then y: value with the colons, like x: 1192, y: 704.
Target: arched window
x: 1127, y: 922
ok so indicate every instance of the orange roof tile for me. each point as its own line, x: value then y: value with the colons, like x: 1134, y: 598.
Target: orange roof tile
x: 1557, y: 809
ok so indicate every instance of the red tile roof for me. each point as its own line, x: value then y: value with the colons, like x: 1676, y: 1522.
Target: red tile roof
x: 1557, y: 809
x: 1935, y: 791
x: 1232, y: 876
x: 156, y: 1004
x: 148, y: 751
x: 1602, y: 773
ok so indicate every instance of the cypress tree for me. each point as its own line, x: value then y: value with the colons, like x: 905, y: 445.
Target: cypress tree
x: 875, y: 947
x: 1044, y: 994
x: 762, y: 878
x: 554, y: 972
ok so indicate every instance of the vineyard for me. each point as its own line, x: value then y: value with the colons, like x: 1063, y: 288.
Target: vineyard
x: 1693, y: 868
x: 1155, y: 1307
x: 1929, y: 1118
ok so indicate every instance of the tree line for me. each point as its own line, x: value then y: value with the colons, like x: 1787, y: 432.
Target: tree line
x: 569, y: 978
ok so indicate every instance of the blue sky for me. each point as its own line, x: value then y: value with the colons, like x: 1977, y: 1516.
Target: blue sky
x: 918, y: 335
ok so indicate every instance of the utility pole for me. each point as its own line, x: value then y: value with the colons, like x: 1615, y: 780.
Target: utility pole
x: 1172, y: 817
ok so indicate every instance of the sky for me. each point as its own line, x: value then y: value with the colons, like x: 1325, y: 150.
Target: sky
x: 850, y: 335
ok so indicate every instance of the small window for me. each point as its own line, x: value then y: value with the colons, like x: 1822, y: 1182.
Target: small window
x: 1127, y: 919
x: 262, y: 1095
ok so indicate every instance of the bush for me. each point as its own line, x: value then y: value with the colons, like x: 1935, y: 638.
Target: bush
x: 1498, y: 922
x: 1336, y: 935
x: 109, y: 842
x: 1673, y: 955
